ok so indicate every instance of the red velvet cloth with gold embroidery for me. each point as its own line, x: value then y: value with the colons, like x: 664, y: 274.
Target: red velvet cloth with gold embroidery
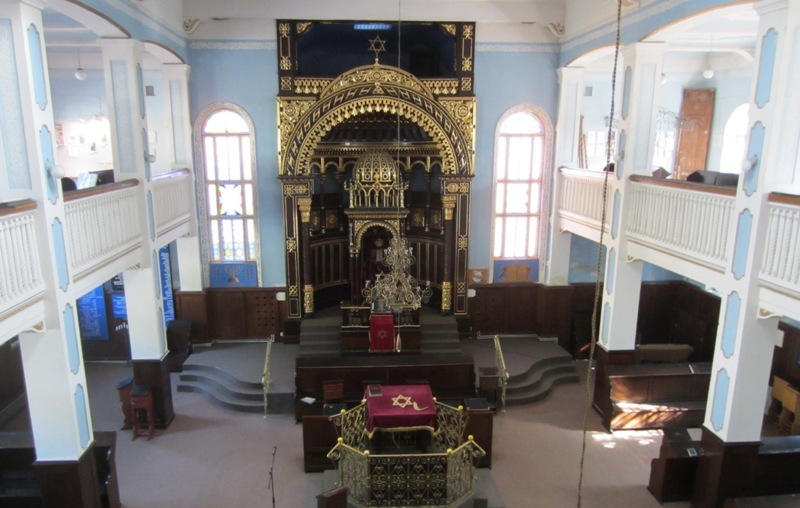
x: 381, y: 332
x: 401, y: 407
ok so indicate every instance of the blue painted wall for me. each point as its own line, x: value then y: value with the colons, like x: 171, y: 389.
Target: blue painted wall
x: 513, y: 75
x: 249, y: 79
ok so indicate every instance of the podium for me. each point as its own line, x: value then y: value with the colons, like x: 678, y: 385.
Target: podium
x: 381, y: 333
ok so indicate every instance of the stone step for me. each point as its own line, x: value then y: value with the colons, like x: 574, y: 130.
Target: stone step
x: 542, y: 390
x: 532, y: 383
x: 536, y: 368
x: 225, y: 390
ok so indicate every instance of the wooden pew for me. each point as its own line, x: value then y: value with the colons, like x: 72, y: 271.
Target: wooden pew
x: 657, y: 396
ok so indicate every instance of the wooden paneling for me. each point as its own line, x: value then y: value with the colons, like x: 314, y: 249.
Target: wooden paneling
x: 89, y: 481
x: 238, y: 313
x: 554, y: 314
x: 191, y: 305
x: 13, y: 385
x: 672, y: 311
x: 523, y: 308
x: 786, y: 359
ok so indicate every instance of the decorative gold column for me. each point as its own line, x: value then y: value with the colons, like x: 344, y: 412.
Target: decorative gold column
x: 304, y: 204
x: 448, y: 204
x: 457, y: 188
x: 293, y: 190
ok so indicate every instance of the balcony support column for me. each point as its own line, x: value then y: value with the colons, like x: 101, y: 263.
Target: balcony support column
x: 568, y: 134
x: 55, y: 380
x: 623, y: 276
x: 122, y: 61
x: 747, y: 334
x: 176, y: 79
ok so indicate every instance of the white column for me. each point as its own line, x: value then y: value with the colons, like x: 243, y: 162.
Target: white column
x: 623, y: 277
x: 746, y: 336
x: 122, y: 59
x: 51, y: 355
x: 190, y: 271
x: 177, y: 81
x: 567, y: 142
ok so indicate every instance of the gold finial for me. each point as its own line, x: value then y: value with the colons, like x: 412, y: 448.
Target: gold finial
x: 377, y: 45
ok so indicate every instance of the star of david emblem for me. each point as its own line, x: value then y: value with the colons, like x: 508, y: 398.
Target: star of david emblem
x: 401, y: 401
x: 382, y: 334
x: 377, y: 45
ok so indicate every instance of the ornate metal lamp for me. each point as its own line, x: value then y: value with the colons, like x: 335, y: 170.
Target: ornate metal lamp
x: 397, y: 289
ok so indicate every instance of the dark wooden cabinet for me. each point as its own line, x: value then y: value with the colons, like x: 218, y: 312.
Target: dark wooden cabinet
x: 28, y: 483
x: 451, y: 376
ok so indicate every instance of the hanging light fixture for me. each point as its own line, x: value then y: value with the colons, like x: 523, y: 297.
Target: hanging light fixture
x: 80, y: 73
x: 397, y: 290
x: 708, y: 73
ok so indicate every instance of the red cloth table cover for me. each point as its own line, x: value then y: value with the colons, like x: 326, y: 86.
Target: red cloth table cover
x: 381, y: 332
x: 401, y: 407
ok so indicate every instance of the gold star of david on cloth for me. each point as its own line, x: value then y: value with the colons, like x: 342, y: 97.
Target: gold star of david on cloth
x: 377, y: 45
x: 382, y: 334
x: 402, y: 401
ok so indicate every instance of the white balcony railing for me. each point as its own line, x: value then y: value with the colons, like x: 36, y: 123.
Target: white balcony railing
x: 102, y: 225
x: 20, y: 269
x: 780, y: 264
x: 581, y: 196
x: 172, y: 200
x: 682, y: 219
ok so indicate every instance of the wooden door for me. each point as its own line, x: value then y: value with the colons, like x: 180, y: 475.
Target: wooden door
x: 695, y: 128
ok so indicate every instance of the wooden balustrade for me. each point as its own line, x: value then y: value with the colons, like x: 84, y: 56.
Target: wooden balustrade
x: 581, y: 195
x: 20, y: 270
x: 172, y: 200
x: 780, y: 264
x: 688, y: 220
x: 102, y: 223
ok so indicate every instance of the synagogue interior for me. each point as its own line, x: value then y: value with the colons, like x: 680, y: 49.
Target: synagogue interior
x: 499, y: 253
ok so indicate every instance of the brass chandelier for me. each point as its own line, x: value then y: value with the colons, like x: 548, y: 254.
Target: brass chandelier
x: 398, y: 289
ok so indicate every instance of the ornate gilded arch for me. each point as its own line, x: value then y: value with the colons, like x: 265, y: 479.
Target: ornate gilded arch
x: 361, y: 227
x: 376, y: 88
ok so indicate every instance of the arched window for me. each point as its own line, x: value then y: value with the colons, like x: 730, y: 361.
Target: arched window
x: 734, y: 141
x: 228, y: 196
x: 521, y: 154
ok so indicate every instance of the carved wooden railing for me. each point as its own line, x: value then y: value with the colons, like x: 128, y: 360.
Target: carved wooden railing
x: 172, y: 200
x: 685, y: 219
x: 20, y: 268
x: 780, y: 265
x: 102, y: 223
x: 357, y: 316
x: 581, y: 196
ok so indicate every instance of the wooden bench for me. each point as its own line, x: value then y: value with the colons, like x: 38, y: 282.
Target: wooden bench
x: 771, y: 474
x: 657, y: 396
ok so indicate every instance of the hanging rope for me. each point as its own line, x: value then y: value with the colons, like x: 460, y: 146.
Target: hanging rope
x: 599, y: 267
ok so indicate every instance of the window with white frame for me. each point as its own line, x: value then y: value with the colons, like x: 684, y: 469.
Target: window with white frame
x: 229, y: 179
x: 519, y: 164
x: 734, y: 140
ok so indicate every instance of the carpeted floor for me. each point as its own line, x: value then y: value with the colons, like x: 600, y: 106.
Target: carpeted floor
x: 210, y: 457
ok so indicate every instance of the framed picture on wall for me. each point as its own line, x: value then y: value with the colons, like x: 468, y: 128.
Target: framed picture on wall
x: 477, y: 276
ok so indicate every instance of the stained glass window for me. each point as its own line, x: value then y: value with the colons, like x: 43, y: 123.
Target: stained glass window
x: 230, y: 186
x: 518, y: 179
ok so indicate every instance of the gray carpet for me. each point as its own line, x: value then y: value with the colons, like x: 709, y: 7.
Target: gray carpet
x: 210, y: 457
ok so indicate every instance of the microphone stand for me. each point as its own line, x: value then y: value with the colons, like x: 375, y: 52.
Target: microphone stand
x: 271, y: 480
